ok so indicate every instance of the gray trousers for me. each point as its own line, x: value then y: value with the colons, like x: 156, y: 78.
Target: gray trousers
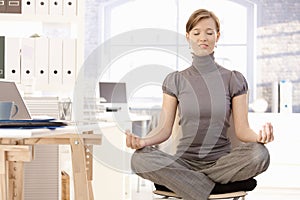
x: 194, y: 180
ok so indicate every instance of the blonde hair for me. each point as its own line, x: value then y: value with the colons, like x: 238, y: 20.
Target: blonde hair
x: 198, y: 15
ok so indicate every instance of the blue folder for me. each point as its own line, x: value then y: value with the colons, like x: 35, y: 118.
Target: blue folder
x: 32, y: 123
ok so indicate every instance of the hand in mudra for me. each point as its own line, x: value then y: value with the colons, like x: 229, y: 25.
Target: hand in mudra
x: 133, y: 141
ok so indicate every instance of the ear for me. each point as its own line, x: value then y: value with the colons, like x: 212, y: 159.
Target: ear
x: 218, y: 36
x: 187, y: 36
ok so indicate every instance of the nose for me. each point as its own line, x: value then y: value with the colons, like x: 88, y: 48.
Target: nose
x: 202, y: 37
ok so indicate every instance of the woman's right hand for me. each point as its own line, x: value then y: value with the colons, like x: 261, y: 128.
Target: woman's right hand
x: 133, y: 141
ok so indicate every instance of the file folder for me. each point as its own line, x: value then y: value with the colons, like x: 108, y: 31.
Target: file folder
x: 42, y: 7
x: 69, y: 62
x: 55, y: 61
x: 13, y: 6
x: 2, y: 6
x: 2, y: 50
x: 286, y: 96
x: 12, y: 59
x: 56, y: 7
x: 27, y: 60
x: 70, y: 8
x: 42, y: 61
x: 28, y: 7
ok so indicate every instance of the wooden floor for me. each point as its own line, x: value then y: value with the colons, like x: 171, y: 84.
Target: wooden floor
x: 144, y: 192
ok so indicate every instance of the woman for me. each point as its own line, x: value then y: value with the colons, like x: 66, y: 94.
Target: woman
x: 206, y: 94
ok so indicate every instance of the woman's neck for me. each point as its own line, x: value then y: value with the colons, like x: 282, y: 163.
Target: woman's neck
x: 204, y: 64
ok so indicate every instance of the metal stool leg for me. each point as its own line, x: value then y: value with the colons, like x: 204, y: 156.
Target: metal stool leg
x: 237, y: 198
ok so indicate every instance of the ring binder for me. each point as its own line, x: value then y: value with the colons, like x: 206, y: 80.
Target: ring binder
x: 13, y: 6
x: 2, y: 56
x: 2, y: 6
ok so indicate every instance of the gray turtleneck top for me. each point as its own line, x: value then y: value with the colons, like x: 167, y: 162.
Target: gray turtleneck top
x: 204, y: 92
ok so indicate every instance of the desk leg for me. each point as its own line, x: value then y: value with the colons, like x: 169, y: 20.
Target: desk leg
x: 89, y: 165
x: 12, y: 158
x: 2, y: 175
x: 79, y: 169
x: 16, y: 180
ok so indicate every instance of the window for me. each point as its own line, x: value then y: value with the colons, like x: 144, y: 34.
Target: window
x: 235, y: 48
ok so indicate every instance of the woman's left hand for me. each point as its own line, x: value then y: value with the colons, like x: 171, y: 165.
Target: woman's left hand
x: 265, y: 135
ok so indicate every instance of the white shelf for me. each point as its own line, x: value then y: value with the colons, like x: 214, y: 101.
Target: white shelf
x: 38, y: 18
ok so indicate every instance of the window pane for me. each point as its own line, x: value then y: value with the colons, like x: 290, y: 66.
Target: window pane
x: 149, y: 96
x: 173, y: 15
x: 144, y: 14
x: 132, y: 61
x: 232, y: 16
x: 232, y: 57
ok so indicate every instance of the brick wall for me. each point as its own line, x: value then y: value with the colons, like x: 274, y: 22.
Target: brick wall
x: 91, y: 26
x: 278, y: 47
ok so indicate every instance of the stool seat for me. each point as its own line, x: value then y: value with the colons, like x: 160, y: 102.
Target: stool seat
x: 166, y: 193
x: 234, y: 195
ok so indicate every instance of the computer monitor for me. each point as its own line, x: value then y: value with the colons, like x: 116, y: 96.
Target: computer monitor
x: 113, y: 92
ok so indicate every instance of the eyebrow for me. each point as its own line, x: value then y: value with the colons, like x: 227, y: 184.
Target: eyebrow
x: 208, y: 29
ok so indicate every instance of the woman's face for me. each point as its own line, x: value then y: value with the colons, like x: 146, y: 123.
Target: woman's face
x: 203, y: 37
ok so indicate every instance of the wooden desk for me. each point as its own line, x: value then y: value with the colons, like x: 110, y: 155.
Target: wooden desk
x: 17, y: 147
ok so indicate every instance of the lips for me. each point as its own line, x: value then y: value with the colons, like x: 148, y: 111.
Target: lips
x: 203, y: 46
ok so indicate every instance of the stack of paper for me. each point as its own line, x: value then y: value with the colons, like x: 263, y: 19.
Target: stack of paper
x: 92, y: 109
x: 43, y: 106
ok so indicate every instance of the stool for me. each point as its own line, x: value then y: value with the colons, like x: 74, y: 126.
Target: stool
x: 232, y: 195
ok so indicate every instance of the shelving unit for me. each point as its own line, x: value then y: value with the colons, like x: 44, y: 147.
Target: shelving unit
x: 49, y: 26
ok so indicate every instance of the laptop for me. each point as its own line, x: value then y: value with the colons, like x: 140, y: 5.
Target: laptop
x: 23, y: 119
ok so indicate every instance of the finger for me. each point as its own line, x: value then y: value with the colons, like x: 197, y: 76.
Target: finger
x: 128, y: 140
x: 134, y: 142
x: 272, y: 138
x: 259, y: 137
x: 272, y: 133
x: 267, y: 133
x: 127, y: 131
x: 263, y: 134
x: 137, y: 143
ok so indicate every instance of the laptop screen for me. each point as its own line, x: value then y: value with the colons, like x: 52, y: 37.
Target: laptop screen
x: 10, y: 92
x: 113, y: 92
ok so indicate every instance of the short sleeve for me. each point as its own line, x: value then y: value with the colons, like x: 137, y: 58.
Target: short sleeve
x: 170, y: 84
x: 238, y: 84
